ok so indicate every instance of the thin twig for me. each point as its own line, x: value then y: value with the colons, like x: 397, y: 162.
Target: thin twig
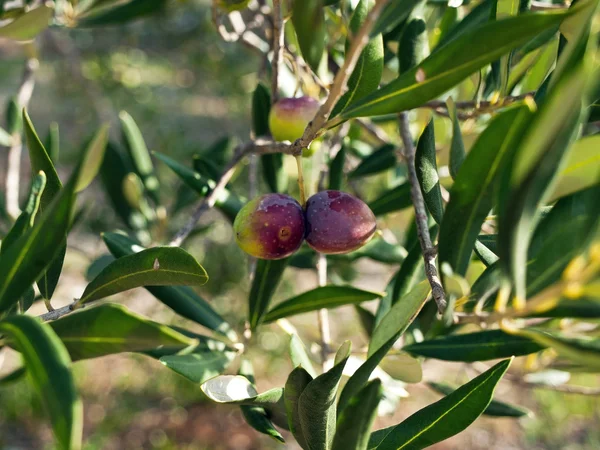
x: 374, y: 131
x: 59, y: 312
x: 323, y: 314
x: 277, y: 45
x: 478, y: 107
x: 421, y: 215
x: 339, y: 86
x: 13, y: 166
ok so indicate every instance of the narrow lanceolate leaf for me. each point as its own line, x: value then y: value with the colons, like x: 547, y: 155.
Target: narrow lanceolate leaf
x: 472, y: 195
x: 479, y: 15
x: 93, y: 161
x: 582, y: 168
x: 496, y: 408
x: 266, y: 278
x: 444, y: 418
x: 382, y: 159
x: 316, y: 405
x: 52, y: 142
x: 413, y: 46
x: 536, y: 163
x: 427, y: 173
x: 134, y: 141
x: 27, y: 26
x: 27, y: 217
x: 393, y: 200
x: 479, y: 346
x: 181, y: 299
x: 228, y: 203
x: 392, y: 15
x: 299, y: 355
x: 395, y: 322
x: 40, y: 161
x: 581, y: 350
x: 411, y: 304
x: 356, y: 419
x: 158, y: 266
x: 308, y: 18
x: 321, y: 297
x: 115, y: 168
x: 336, y: 170
x: 367, y: 74
x: 457, y: 146
x: 377, y: 249
x: 49, y: 367
x: 28, y: 257
x: 297, y: 381
x: 5, y: 138
x: 561, y: 235
x: 110, y: 328
x: 452, y: 63
x: 120, y: 13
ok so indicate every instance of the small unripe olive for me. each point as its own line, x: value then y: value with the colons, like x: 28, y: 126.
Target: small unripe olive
x: 290, y: 116
x: 337, y: 222
x: 270, y: 226
x: 232, y: 5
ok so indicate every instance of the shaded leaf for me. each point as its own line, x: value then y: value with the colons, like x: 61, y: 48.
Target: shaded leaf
x: 393, y: 200
x: 109, y: 329
x: 199, y: 366
x: 357, y: 417
x: 336, y: 170
x: 457, y: 146
x: 478, y: 346
x: 308, y: 18
x: 120, y: 13
x: 426, y: 166
x: 392, y: 15
x: 49, y: 368
x: 382, y: 159
x: 266, y: 278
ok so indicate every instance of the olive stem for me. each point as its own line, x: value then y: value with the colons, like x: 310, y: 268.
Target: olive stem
x: 13, y: 164
x: 301, y: 180
x: 323, y: 314
x: 277, y: 46
x: 427, y: 248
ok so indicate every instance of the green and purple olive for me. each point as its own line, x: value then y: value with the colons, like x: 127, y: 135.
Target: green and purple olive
x: 270, y: 226
x: 289, y: 117
x: 337, y: 222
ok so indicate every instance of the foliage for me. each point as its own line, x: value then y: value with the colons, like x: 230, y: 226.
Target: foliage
x: 509, y: 177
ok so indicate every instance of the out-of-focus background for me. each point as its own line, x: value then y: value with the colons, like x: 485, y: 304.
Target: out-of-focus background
x: 186, y: 88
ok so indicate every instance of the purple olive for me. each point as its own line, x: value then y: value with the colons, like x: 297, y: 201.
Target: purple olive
x: 337, y: 222
x: 270, y: 226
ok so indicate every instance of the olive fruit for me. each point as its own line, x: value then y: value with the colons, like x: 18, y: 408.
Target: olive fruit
x: 289, y: 117
x: 337, y: 222
x: 232, y: 5
x: 270, y: 226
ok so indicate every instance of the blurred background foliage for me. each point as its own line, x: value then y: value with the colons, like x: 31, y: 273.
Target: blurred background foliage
x: 186, y: 89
